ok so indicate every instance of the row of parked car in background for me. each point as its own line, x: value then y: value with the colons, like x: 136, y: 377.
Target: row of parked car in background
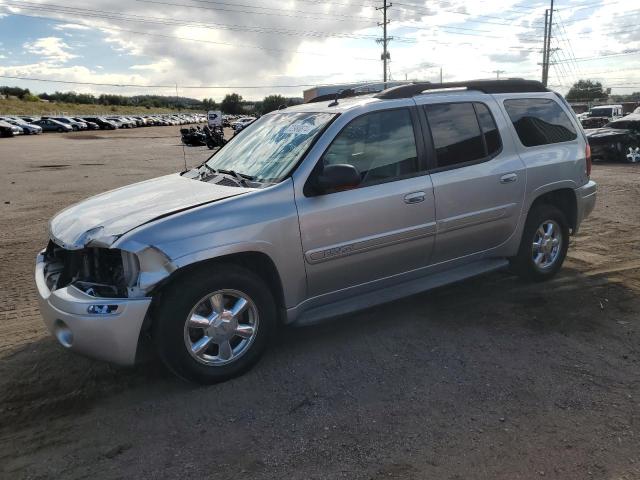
x: 11, y: 125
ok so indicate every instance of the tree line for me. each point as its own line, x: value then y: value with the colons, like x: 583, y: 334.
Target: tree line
x: 590, y: 90
x: 232, y: 104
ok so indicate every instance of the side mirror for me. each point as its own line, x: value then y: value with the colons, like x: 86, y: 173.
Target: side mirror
x: 338, y: 176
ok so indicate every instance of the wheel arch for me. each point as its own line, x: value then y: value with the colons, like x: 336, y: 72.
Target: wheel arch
x: 256, y: 261
x: 563, y: 198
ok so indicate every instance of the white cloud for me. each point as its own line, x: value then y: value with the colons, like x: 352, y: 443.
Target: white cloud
x: 199, y: 46
x: 52, y: 49
x: 161, y: 66
x: 71, y: 26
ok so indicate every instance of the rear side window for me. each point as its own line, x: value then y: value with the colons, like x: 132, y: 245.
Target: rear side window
x: 539, y: 121
x: 459, y: 136
x: 489, y: 129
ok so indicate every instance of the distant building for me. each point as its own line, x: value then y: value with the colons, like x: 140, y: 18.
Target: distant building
x: 314, y: 92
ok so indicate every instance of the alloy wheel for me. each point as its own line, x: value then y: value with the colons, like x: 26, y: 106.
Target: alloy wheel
x: 221, y: 327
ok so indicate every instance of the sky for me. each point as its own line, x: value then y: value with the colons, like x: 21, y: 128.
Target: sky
x: 158, y: 46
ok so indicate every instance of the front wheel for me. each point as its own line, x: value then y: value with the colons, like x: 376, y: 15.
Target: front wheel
x: 213, y: 325
x: 544, y: 244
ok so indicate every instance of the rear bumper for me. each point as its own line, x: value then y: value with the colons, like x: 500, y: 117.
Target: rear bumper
x: 112, y: 336
x: 586, y: 201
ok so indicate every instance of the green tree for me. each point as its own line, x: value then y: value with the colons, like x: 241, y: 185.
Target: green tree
x: 232, y: 104
x: 272, y: 102
x: 586, y: 90
x: 209, y: 104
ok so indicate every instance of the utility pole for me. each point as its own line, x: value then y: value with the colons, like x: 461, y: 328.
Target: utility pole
x: 546, y: 56
x: 384, y: 40
x: 544, y: 47
x: 441, y: 75
x: 498, y: 72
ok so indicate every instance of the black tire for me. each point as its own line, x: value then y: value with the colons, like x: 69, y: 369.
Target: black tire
x: 60, y: 129
x: 180, y: 297
x: 523, y: 264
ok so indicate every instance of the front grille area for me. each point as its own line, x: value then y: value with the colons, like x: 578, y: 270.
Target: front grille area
x: 99, y: 272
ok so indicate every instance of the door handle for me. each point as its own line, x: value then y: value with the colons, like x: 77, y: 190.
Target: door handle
x: 415, y: 197
x: 509, y: 178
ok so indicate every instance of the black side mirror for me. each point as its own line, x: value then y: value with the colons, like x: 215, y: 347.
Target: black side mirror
x: 338, y: 176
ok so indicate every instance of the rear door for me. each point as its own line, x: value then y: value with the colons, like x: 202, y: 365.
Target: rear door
x: 478, y: 178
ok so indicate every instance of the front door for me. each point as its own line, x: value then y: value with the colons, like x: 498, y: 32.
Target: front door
x: 383, y: 227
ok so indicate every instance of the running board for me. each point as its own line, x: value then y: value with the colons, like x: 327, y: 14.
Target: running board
x: 397, y: 291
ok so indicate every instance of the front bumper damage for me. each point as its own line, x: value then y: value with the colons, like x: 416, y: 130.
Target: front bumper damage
x: 111, y: 333
x: 95, y: 300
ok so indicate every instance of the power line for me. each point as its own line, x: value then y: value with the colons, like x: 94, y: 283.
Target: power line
x: 309, y: 15
x: 233, y: 44
x: 109, y: 15
x: 588, y: 59
x: 188, y: 87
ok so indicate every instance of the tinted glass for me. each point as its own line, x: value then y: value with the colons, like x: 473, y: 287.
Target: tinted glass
x: 456, y: 133
x: 601, y: 112
x: 489, y: 129
x: 539, y: 121
x: 380, y: 145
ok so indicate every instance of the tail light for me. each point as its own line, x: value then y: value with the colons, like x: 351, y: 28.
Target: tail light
x: 587, y: 155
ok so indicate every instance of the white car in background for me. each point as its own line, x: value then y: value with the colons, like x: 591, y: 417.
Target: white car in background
x: 242, y: 123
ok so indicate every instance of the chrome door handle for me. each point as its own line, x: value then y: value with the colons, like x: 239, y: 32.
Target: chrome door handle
x: 509, y: 178
x: 415, y: 197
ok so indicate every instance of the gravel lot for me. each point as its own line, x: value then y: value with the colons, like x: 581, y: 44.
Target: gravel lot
x: 490, y: 379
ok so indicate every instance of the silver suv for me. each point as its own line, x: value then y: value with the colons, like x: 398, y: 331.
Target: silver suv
x: 316, y: 211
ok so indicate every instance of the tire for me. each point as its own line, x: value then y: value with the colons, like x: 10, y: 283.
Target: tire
x: 540, y: 217
x: 60, y: 129
x: 189, y: 296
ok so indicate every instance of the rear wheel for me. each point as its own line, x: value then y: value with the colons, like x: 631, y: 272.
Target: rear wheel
x: 213, y: 325
x: 60, y: 129
x: 544, y: 244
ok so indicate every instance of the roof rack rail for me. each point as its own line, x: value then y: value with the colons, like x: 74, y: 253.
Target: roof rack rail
x: 508, y: 85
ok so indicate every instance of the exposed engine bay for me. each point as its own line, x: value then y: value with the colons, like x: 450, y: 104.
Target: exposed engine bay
x: 99, y: 272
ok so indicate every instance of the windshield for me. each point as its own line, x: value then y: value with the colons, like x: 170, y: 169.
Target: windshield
x: 600, y: 112
x: 270, y: 147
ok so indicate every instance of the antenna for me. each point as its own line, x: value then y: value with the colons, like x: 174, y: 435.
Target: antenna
x: 184, y: 153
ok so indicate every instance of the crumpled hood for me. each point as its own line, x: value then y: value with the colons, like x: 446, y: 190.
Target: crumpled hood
x: 106, y: 216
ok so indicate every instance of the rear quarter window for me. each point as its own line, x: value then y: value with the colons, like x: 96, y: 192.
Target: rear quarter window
x: 539, y: 121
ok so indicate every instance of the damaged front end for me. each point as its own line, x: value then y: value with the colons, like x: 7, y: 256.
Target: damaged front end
x: 98, y: 272
x: 101, y: 271
x: 95, y: 300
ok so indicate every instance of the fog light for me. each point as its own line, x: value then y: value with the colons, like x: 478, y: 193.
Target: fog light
x: 101, y: 309
x: 63, y: 333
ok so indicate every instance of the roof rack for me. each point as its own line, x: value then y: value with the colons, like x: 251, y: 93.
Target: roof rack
x: 347, y: 92
x: 508, y: 85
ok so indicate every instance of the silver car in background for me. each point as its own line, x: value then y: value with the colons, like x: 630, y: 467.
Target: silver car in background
x: 316, y: 211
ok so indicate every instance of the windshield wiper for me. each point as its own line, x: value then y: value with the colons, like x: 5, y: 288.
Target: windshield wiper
x: 212, y: 170
x: 240, y: 176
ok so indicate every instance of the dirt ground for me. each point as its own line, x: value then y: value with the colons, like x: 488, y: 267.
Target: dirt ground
x: 489, y: 379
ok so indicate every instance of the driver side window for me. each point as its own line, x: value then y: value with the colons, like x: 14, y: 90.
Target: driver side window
x: 380, y: 145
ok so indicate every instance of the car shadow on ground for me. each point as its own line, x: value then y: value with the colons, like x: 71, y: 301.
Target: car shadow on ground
x: 42, y: 379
